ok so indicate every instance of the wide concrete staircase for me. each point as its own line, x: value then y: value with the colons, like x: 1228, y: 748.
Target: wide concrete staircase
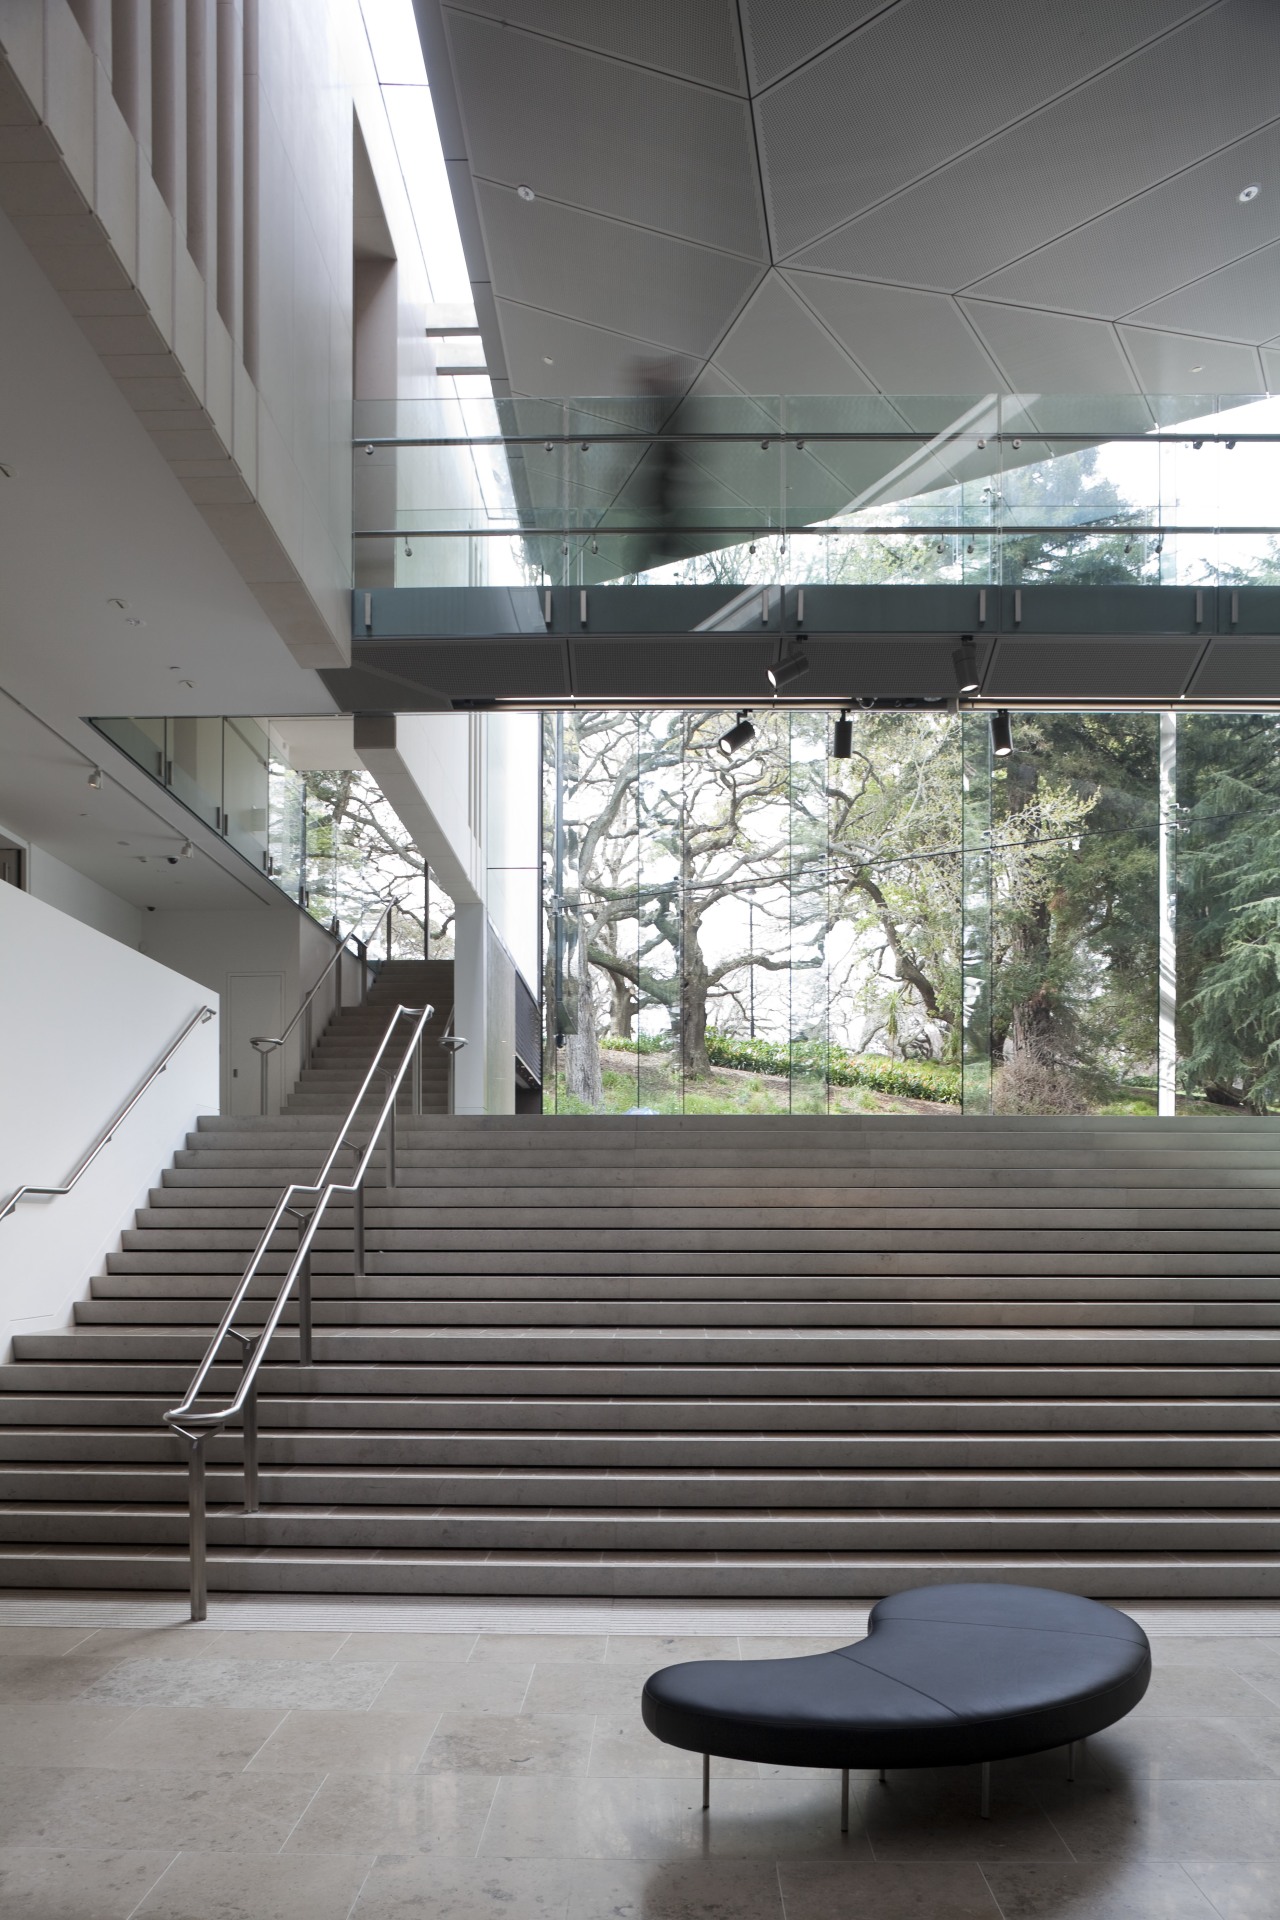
x: 339, y: 1063
x: 773, y: 1357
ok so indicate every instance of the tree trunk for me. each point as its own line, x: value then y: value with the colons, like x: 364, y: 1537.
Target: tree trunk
x: 581, y: 1047
x: 695, y: 986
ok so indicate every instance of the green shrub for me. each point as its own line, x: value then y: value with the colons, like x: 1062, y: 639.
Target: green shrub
x: 908, y: 1079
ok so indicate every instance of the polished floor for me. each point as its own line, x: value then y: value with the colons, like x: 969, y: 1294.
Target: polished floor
x: 360, y: 1762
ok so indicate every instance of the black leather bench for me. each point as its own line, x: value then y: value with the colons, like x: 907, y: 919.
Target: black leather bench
x: 947, y: 1676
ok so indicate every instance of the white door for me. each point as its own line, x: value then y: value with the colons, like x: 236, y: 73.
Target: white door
x: 254, y: 1000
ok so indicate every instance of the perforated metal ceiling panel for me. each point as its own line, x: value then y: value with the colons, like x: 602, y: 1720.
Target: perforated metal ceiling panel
x: 1161, y: 239
x: 899, y: 335
x: 916, y: 88
x: 1052, y: 352
x: 1162, y: 109
x: 603, y: 134
x: 698, y: 42
x: 776, y: 342
x: 1182, y: 363
x: 645, y: 284
x: 540, y: 346
x: 780, y: 39
x: 1239, y: 302
x: 1070, y: 669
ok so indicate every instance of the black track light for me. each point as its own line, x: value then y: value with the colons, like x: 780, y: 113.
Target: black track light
x: 741, y: 734
x: 1001, y: 734
x: 793, y: 667
x: 965, y: 661
x: 842, y: 744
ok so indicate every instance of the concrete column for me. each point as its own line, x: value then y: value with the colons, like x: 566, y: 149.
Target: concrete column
x: 471, y: 998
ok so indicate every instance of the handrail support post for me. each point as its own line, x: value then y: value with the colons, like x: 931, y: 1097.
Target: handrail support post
x: 197, y: 1530
x: 264, y: 1077
x: 391, y: 1148
x: 357, y: 1232
x: 304, y: 1311
x: 416, y: 1081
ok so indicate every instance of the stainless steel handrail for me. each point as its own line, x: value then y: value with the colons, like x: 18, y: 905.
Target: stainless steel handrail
x: 198, y: 1019
x: 304, y: 1205
x: 266, y: 1044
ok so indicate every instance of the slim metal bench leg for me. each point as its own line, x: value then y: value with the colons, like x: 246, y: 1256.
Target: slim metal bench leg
x: 844, y: 1800
x: 883, y: 1778
x: 1071, y: 1760
x: 706, y: 1781
x: 985, y: 1805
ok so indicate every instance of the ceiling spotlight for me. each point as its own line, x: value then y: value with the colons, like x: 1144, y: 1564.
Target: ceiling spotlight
x: 408, y: 550
x: 842, y: 743
x: 965, y: 661
x: 526, y: 193
x: 1001, y: 734
x: 188, y: 850
x: 95, y: 779
x: 793, y: 667
x: 1246, y: 194
x: 1231, y: 446
x: 1197, y: 444
x: 741, y: 734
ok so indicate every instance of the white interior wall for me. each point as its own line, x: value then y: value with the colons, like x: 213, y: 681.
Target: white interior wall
x: 73, y: 893
x: 85, y: 1019
x: 280, y: 941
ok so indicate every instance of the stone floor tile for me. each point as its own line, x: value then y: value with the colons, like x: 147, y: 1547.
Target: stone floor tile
x: 395, y: 1649
x: 934, y: 1816
x: 145, y: 1811
x: 47, y: 1883
x: 237, y: 1683
x: 492, y: 1743
x: 61, y: 1733
x: 1206, y: 1693
x: 255, y: 1643
x: 1133, y: 1890
x: 413, y: 1813
x: 415, y: 1888
x: 517, y: 1648
x: 338, y: 1740
x: 151, y: 1643
x: 199, y: 1739
x: 633, y: 1753
x: 1157, y: 1749
x: 47, y: 1640
x: 1167, y: 1819
x: 219, y: 1886
x: 477, y: 1687
x: 1238, y: 1651
x: 48, y: 1676
x: 782, y: 1646
x: 587, y: 1686
x: 664, y: 1820
x: 675, y: 1890
x: 882, y: 1890
x: 1238, y: 1889
x: 654, y: 1650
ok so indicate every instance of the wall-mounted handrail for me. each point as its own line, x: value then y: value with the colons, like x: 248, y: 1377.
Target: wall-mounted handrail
x: 303, y: 1205
x: 30, y: 1192
x: 266, y: 1044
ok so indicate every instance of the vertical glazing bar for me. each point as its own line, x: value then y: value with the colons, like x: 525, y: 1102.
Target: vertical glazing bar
x: 251, y: 1443
x: 196, y: 1532
x: 358, y: 1231
x: 304, y: 1311
x: 1167, y: 1046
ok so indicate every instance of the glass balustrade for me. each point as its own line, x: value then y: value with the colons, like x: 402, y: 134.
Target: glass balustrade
x: 742, y: 490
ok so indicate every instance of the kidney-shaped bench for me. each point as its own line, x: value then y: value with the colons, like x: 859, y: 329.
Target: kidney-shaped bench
x: 947, y: 1676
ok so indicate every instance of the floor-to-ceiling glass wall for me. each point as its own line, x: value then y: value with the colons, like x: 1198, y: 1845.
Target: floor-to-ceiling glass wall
x: 740, y: 921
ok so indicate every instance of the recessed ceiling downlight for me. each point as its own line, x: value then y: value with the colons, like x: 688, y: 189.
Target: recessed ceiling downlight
x: 1251, y: 192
